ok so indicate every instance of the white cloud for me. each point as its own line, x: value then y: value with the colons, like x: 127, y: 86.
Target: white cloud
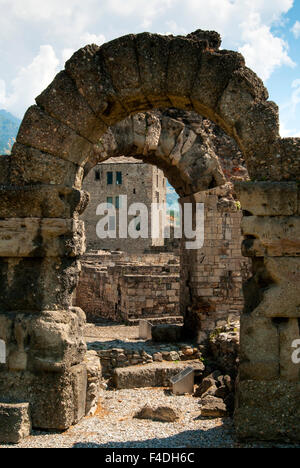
x: 286, y: 131
x: 296, y: 29
x: 289, y: 121
x: 262, y: 50
x: 30, y: 81
x: 67, y: 25
x: 66, y: 54
x: 88, y: 38
x: 292, y: 104
x: 246, y: 25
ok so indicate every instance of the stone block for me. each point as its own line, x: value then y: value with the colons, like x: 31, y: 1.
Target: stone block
x: 216, y: 70
x: 56, y: 340
x: 268, y: 410
x: 288, y: 330
x: 259, y: 370
x: 259, y: 340
x: 180, y: 80
x: 281, y: 298
x: 41, y: 237
x: 30, y: 166
x: 145, y: 330
x: 87, y: 68
x: 244, y: 86
x: 15, y: 423
x: 157, y: 374
x: 290, y: 159
x: 122, y: 65
x: 160, y: 413
x: 41, y: 131
x: 57, y: 400
x: 213, y: 407
x: 63, y: 101
x: 35, y: 284
x: 42, y: 201
x: 94, y: 375
x: 268, y: 198
x: 153, y: 53
x: 271, y: 236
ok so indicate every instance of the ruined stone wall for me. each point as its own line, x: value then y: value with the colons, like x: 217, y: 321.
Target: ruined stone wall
x: 126, y: 292
x: 211, y: 277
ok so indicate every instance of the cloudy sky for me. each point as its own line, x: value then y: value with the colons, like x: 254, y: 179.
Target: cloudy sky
x: 37, y: 37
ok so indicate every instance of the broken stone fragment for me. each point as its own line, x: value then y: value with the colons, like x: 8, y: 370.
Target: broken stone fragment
x: 161, y: 413
x: 213, y: 407
x: 205, y: 385
x: 15, y: 423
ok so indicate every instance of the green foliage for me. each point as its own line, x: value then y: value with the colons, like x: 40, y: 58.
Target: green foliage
x: 9, y: 126
x: 238, y: 205
x: 215, y: 333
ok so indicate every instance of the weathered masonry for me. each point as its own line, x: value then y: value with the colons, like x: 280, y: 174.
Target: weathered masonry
x: 216, y: 283
x: 42, y: 238
x: 107, y: 183
x: 127, y: 289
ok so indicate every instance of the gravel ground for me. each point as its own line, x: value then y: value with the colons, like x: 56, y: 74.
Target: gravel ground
x: 113, y: 426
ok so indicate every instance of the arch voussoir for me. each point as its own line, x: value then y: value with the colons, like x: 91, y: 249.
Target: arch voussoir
x: 121, y: 61
x: 31, y: 166
x: 243, y: 89
x: 41, y: 131
x: 86, y: 67
x: 63, y: 101
x: 183, y: 65
x: 261, y: 142
x: 212, y: 79
x: 153, y: 56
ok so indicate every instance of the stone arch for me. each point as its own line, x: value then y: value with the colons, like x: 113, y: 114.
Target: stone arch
x: 190, y: 150
x: 41, y: 200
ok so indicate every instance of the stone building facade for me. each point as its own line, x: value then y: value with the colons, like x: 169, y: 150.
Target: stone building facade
x: 106, y: 182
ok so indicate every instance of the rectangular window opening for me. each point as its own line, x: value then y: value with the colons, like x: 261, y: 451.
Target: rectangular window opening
x: 119, y: 178
x: 110, y: 178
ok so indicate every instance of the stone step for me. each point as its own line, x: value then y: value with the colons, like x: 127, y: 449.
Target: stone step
x: 168, y: 319
x: 152, y: 375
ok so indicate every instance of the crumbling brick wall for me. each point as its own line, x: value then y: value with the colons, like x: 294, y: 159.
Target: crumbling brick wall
x: 211, y: 277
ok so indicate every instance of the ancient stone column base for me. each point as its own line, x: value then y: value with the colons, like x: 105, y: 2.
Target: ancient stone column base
x: 57, y: 401
x: 268, y: 410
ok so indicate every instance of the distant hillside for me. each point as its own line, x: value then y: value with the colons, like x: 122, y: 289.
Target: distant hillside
x: 9, y: 126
